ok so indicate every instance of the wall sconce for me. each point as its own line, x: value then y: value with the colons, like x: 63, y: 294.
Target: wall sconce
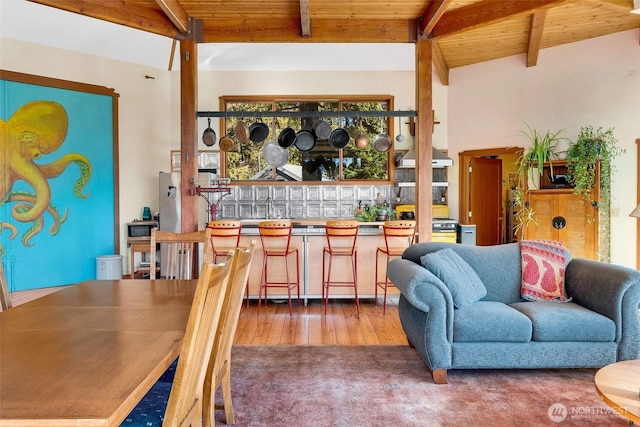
x: 635, y: 212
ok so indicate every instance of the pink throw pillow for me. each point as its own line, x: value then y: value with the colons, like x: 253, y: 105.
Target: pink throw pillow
x: 543, y: 267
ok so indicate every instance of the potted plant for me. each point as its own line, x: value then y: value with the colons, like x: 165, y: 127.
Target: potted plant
x: 534, y: 157
x: 590, y: 147
x: 529, y: 168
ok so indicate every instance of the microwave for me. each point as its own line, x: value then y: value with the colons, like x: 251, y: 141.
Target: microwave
x: 141, y: 228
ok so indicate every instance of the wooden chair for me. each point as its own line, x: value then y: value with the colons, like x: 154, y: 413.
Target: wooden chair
x: 225, y: 237
x: 219, y: 370
x: 342, y: 236
x: 179, y: 252
x: 5, y: 297
x: 275, y: 237
x: 398, y: 235
x: 185, y: 393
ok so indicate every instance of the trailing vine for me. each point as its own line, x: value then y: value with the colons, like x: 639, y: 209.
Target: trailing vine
x: 593, y: 145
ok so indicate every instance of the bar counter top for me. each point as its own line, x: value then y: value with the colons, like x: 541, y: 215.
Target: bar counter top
x: 302, y: 227
x: 308, y: 222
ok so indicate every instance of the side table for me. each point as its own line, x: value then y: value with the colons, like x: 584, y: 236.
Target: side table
x: 144, y: 247
x: 618, y: 385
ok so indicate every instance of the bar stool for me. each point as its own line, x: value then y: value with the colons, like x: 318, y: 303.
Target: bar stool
x: 341, y: 242
x: 398, y: 235
x: 225, y: 238
x: 276, y: 243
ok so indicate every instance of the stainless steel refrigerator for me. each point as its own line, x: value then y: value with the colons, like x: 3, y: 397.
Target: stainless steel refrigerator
x: 170, y: 204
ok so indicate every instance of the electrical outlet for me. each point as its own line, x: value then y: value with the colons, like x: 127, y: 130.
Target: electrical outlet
x: 615, y: 212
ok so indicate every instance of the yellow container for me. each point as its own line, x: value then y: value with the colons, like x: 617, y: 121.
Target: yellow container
x: 440, y: 211
x: 400, y: 209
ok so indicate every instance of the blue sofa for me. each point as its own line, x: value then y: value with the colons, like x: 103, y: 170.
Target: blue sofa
x: 600, y: 325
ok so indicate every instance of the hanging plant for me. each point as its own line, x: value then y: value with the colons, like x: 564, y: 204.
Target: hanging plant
x: 593, y: 145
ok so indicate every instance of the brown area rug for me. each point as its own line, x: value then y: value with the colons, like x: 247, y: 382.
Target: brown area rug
x: 390, y: 386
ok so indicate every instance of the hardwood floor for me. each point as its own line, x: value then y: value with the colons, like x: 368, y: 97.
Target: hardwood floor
x: 307, y: 326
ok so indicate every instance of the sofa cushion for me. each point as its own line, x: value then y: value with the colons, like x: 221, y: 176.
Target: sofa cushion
x: 463, y: 283
x: 544, y: 263
x: 490, y: 321
x: 566, y: 322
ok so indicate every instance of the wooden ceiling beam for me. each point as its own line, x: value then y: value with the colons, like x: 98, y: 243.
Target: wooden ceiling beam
x: 129, y: 15
x: 485, y: 13
x: 267, y: 30
x: 535, y: 37
x: 440, y: 64
x: 432, y: 14
x: 176, y: 13
x: 305, y: 22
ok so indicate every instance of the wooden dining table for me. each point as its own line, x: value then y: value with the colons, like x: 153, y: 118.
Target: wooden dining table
x: 87, y: 354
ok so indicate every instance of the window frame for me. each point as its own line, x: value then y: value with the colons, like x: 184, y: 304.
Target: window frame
x: 273, y: 100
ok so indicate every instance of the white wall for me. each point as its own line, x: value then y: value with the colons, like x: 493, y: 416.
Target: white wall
x: 593, y: 82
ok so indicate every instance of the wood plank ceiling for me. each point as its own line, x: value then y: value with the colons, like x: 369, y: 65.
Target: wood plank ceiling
x: 464, y: 32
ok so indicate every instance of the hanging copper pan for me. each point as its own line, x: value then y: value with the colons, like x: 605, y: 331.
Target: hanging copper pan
x: 242, y: 132
x: 227, y: 143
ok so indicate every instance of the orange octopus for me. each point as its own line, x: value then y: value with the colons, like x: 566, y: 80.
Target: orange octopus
x: 35, y: 129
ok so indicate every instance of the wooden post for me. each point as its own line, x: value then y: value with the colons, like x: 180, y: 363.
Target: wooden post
x: 188, y: 145
x: 424, y: 138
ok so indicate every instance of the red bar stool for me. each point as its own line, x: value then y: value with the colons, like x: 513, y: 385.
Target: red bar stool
x: 225, y: 237
x: 276, y: 243
x: 341, y: 242
x: 398, y: 235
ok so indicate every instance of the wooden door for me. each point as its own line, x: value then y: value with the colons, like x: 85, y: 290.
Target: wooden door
x: 485, y: 199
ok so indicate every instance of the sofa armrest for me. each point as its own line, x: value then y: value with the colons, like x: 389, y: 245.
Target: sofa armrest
x: 613, y: 291
x: 424, y: 291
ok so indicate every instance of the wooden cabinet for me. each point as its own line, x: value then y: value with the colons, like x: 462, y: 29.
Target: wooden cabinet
x: 564, y: 216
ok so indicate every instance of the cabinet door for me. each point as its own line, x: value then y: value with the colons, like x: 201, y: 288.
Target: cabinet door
x: 578, y: 231
x: 545, y: 207
x: 581, y: 230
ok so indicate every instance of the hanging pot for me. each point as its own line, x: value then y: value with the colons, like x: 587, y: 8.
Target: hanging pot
x: 287, y: 137
x: 274, y: 154
x: 339, y: 138
x: 305, y: 141
x: 258, y: 132
x: 227, y: 143
x: 362, y: 141
x: 322, y: 130
x: 209, y: 135
x: 382, y: 143
x: 242, y: 132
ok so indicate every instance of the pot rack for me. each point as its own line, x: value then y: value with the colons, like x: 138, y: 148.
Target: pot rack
x: 339, y: 114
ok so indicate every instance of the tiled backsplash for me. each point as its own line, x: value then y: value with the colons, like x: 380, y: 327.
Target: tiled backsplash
x: 301, y: 201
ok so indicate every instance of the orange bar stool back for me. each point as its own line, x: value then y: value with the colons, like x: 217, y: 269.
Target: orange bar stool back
x: 275, y: 237
x: 225, y: 238
x: 398, y: 235
x: 342, y: 236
